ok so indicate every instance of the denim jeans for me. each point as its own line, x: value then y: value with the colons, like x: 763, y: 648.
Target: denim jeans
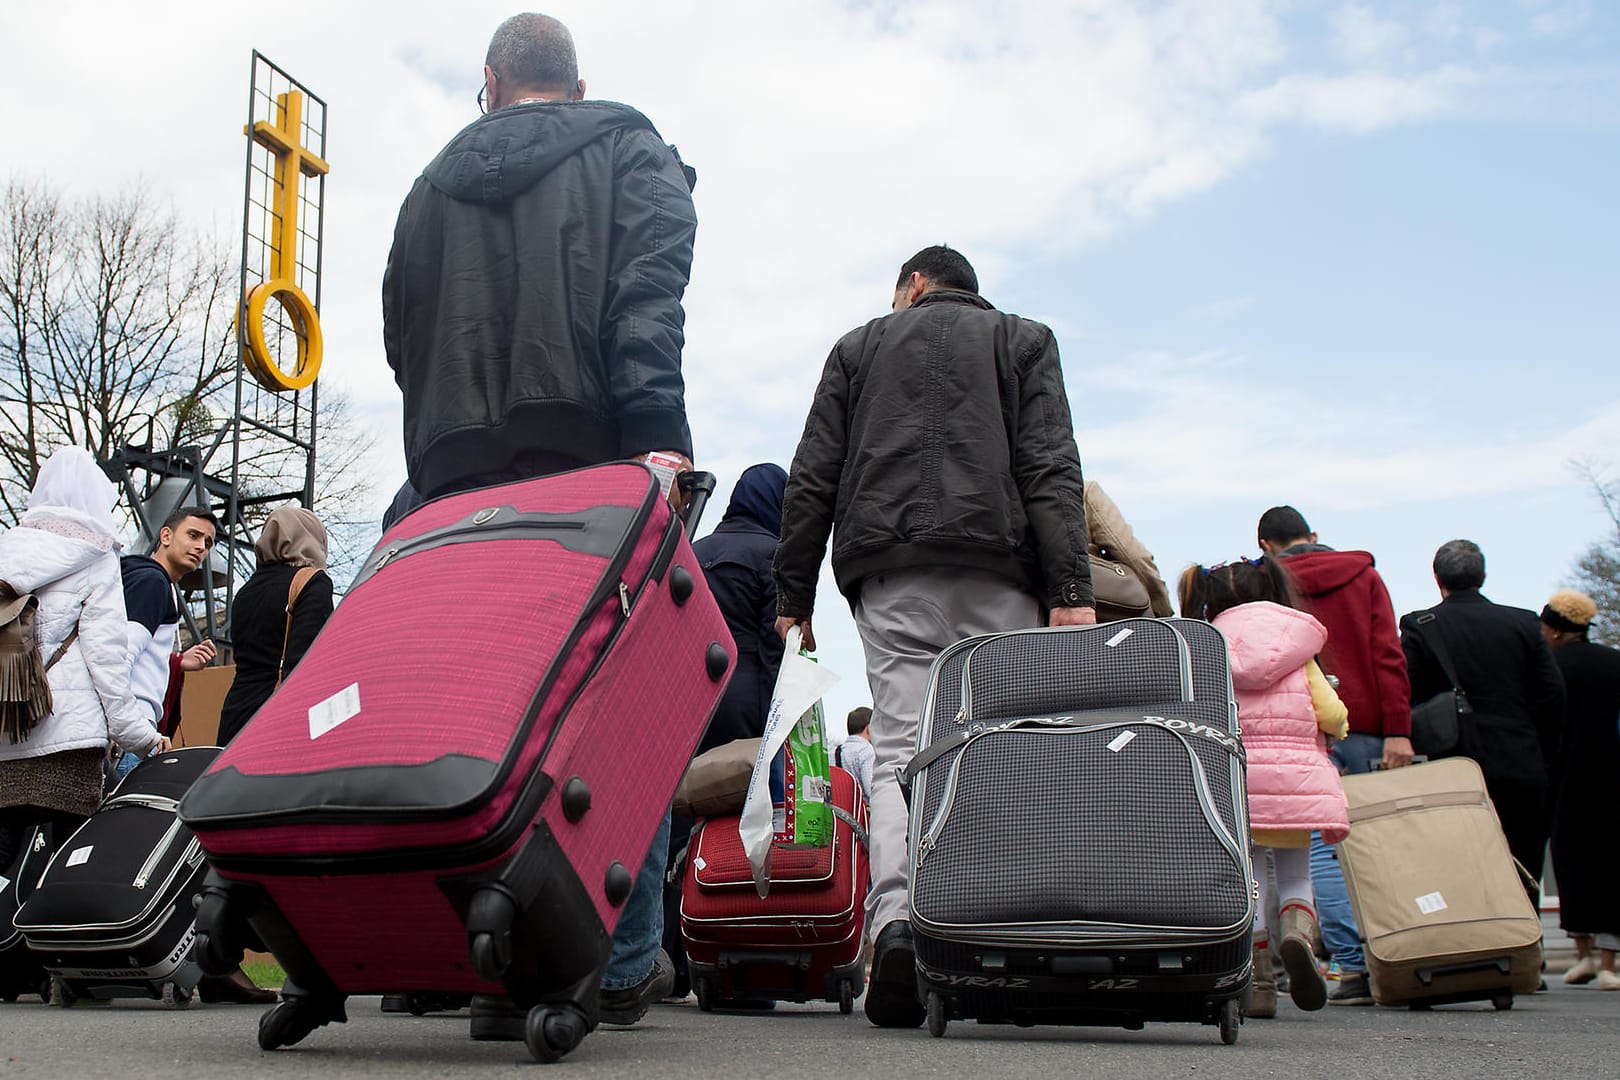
x: 1354, y: 754
x: 640, y: 932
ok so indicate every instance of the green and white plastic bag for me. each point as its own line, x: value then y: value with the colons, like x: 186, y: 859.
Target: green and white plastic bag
x: 794, y: 721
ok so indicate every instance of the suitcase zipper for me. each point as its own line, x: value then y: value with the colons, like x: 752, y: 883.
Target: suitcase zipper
x: 158, y: 852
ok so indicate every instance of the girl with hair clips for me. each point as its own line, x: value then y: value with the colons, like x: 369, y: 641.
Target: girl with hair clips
x: 1286, y: 710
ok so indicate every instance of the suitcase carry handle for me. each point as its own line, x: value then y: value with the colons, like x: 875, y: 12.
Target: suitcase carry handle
x: 1501, y: 965
x: 697, y: 487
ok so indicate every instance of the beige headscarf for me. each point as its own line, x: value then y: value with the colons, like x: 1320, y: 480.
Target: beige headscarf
x: 293, y: 536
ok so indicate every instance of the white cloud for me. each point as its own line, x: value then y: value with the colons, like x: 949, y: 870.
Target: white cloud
x: 1554, y: 18
x: 1362, y: 36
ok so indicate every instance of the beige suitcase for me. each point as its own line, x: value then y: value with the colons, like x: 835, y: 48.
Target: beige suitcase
x: 1439, y: 900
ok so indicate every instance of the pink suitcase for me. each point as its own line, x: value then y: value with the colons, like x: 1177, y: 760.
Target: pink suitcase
x: 454, y: 789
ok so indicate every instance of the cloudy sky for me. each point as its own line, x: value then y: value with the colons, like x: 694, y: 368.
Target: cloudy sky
x: 1359, y: 257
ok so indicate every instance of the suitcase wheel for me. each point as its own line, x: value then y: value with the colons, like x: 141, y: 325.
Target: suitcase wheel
x: 552, y: 1031
x: 1502, y: 1002
x: 705, y: 995
x: 936, y: 1015
x: 1231, y: 1019
x: 175, y: 997
x: 846, y: 997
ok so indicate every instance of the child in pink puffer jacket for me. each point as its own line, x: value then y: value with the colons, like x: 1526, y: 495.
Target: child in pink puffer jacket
x: 1286, y: 709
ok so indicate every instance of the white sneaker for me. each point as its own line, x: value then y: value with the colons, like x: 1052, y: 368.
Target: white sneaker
x: 1584, y: 971
x: 1608, y: 980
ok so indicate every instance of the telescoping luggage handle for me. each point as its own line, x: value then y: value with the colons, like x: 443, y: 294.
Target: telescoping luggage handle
x: 697, y: 487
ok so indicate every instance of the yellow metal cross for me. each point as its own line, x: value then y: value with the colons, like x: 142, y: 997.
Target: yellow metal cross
x: 283, y: 139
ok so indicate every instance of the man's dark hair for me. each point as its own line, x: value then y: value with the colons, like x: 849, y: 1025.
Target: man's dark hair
x: 1459, y: 565
x: 181, y: 513
x: 858, y: 720
x: 943, y: 266
x: 535, y: 52
x: 1281, y: 524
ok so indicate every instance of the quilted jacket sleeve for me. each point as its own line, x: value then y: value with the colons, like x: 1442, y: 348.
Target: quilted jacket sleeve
x: 812, y: 491
x: 643, y: 322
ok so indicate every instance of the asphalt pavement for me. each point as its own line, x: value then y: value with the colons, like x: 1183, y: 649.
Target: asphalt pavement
x: 1565, y: 1032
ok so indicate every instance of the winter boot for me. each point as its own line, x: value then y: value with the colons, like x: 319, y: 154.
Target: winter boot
x: 1305, y: 983
x: 1263, y: 991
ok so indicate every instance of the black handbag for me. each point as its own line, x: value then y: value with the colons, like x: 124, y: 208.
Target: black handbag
x: 1437, y: 722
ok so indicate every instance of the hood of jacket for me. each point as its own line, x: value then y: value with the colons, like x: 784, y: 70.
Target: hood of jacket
x: 498, y: 157
x: 1268, y: 642
x: 1323, y: 570
x: 32, y: 558
x: 758, y: 496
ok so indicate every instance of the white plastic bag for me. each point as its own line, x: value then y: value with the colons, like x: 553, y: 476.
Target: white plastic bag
x: 799, y: 685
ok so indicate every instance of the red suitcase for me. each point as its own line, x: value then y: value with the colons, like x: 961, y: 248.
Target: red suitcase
x: 800, y: 943
x: 455, y: 788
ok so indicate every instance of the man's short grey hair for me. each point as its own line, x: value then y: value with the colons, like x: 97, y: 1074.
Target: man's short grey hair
x: 534, y: 52
x: 1459, y: 564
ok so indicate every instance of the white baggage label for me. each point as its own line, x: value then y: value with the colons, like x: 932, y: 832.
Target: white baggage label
x: 700, y: 862
x: 1119, y: 637
x: 1431, y: 903
x: 1121, y: 741
x: 80, y: 856
x: 328, y: 714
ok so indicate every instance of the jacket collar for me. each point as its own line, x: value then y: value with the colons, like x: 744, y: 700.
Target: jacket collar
x: 1466, y: 596
x: 954, y: 296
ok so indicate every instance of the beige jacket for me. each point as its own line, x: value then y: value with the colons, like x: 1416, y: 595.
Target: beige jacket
x: 1111, y: 536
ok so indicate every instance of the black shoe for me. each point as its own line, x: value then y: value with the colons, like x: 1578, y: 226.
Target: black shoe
x: 1352, y: 990
x: 629, y: 1004
x: 891, y: 999
x: 497, y: 1019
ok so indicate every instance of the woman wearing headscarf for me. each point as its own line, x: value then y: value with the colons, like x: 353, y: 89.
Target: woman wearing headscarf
x: 268, y: 640
x: 65, y: 553
x: 1582, y: 836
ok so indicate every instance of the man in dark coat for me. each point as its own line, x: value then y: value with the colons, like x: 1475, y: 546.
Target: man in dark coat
x: 1582, y: 836
x: 1513, y: 686
x: 532, y: 317
x: 736, y: 560
x: 940, y: 442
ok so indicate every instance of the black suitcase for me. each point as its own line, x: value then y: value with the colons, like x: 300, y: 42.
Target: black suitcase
x: 20, y: 971
x: 114, y: 914
x: 1079, y: 839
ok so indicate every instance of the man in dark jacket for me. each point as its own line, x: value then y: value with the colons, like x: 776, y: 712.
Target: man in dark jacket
x: 940, y: 442
x: 532, y: 316
x: 532, y: 300
x: 736, y: 560
x: 1514, y: 688
x: 1363, y: 650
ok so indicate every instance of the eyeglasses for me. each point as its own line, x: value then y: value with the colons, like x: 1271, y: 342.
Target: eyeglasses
x: 483, y: 109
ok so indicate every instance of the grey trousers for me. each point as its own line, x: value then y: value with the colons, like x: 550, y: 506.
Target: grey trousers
x: 906, y: 618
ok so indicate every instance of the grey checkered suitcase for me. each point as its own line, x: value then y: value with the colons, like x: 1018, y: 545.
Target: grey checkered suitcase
x: 1078, y: 839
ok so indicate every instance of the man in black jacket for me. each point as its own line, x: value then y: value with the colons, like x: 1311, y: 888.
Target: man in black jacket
x: 940, y: 443
x: 1513, y: 685
x: 532, y: 316
x: 532, y: 300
